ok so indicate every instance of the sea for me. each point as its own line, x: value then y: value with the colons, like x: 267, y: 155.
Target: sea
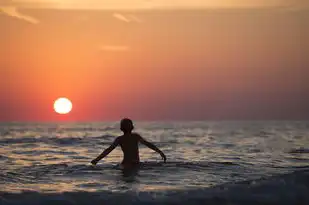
x: 208, y: 162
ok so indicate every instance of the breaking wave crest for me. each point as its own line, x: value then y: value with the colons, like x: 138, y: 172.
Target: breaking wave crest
x: 285, y: 189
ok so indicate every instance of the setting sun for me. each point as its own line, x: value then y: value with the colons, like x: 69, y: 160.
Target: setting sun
x: 63, y: 106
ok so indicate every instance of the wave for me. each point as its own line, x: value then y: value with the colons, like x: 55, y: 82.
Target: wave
x: 41, y: 152
x: 18, y: 140
x: 55, y: 128
x: 149, y: 165
x: 285, y: 189
x: 66, y: 169
x: 56, y: 140
x: 27, y: 142
x: 299, y: 151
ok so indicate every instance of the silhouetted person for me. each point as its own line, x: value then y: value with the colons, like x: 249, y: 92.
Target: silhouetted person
x: 129, y: 145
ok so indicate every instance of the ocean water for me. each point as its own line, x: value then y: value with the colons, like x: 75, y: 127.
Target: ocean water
x: 207, y: 163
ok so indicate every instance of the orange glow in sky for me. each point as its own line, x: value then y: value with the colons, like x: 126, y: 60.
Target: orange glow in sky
x: 225, y: 60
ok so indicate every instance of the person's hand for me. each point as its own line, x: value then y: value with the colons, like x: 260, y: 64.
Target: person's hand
x: 163, y: 156
x: 94, y: 162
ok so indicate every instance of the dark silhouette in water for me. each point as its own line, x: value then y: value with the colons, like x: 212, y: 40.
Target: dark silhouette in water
x: 129, y: 145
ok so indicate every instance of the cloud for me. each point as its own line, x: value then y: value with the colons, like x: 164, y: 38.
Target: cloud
x: 151, y: 4
x: 30, y: 4
x: 128, y: 18
x: 13, y: 12
x: 121, y: 17
x: 135, y: 18
x: 114, y: 48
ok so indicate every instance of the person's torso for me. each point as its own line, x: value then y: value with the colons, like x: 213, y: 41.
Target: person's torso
x: 129, y: 146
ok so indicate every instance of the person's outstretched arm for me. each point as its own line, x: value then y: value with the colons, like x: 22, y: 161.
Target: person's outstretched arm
x: 105, y: 152
x: 153, y: 147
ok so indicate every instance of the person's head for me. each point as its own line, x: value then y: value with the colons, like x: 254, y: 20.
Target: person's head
x: 126, y: 125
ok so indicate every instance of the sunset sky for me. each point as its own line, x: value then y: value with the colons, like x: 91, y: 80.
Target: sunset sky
x: 154, y: 59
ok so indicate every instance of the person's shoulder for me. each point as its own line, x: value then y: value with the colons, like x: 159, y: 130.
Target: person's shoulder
x: 119, y: 138
x: 135, y: 134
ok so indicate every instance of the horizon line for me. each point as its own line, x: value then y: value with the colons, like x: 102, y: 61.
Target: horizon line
x: 166, y: 120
